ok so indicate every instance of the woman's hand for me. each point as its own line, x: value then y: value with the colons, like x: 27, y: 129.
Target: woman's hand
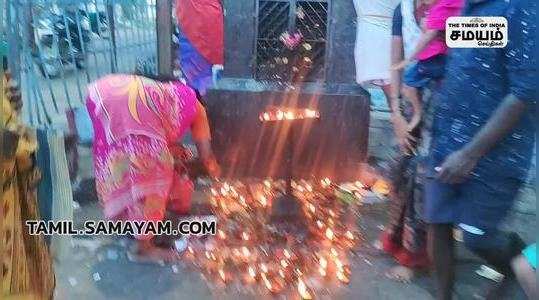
x: 403, y: 135
x: 213, y: 168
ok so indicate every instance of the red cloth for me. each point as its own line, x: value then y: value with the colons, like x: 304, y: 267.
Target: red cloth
x: 201, y: 21
x: 403, y: 256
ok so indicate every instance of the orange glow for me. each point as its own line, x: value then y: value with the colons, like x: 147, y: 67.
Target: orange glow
x: 245, y: 236
x: 342, y: 277
x: 264, y: 268
x: 284, y: 263
x: 252, y: 272
x: 221, y: 234
x: 323, y: 262
x: 349, y: 235
x: 263, y: 200
x: 245, y: 251
x: 303, y: 292
x: 286, y: 254
x: 329, y: 233
x: 222, y: 274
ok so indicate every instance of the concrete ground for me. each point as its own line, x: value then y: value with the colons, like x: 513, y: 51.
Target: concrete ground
x: 98, y: 268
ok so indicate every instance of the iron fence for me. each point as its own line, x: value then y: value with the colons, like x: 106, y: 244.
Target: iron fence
x: 57, y: 47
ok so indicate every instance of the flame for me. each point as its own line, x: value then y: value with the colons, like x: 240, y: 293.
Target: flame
x: 334, y: 252
x: 289, y: 115
x: 319, y: 224
x: 213, y: 192
x: 309, y: 187
x: 190, y: 249
x: 266, y: 116
x: 252, y: 272
x: 349, y: 235
x: 242, y: 201
x: 245, y: 251
x: 339, y: 265
x: 359, y: 184
x: 342, y: 277
x: 221, y: 234
x: 323, y: 262
x: 284, y: 263
x: 281, y: 273
x: 322, y: 271
x: 325, y: 182
x: 302, y: 289
x: 207, y: 255
x: 267, y: 183
x: 264, y: 268
x: 267, y: 283
x: 312, y: 208
x: 279, y: 115
x: 245, y: 236
x: 286, y: 254
x: 222, y: 274
x: 263, y: 200
x: 309, y: 113
x: 329, y: 233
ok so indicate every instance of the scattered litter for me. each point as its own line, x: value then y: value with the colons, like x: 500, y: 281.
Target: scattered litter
x: 76, y: 205
x: 72, y: 281
x: 372, y: 198
x: 112, y: 254
x: 489, y: 273
x: 175, y: 269
x: 90, y: 244
x: 180, y: 244
x: 96, y: 276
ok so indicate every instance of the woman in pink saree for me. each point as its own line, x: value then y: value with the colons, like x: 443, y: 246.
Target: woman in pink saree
x: 137, y: 122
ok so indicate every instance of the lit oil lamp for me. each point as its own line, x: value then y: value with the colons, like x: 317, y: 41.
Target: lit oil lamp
x: 287, y: 254
x: 221, y: 234
x: 222, y: 274
x: 303, y: 291
x: 263, y: 200
x: 329, y: 234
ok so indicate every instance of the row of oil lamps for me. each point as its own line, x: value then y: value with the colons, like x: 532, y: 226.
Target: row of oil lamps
x: 253, y: 255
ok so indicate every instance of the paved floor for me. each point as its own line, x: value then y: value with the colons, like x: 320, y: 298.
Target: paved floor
x: 99, y: 269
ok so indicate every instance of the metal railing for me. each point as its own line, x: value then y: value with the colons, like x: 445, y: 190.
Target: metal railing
x: 59, y: 46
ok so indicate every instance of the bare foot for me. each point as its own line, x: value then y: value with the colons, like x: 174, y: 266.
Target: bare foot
x: 147, y: 252
x: 401, y: 274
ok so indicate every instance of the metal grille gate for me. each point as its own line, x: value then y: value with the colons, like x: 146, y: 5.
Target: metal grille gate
x: 58, y: 46
x: 277, y: 63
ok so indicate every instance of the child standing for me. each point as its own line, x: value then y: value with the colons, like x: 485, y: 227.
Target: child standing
x: 430, y: 53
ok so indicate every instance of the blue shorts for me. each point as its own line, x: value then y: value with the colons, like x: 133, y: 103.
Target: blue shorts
x: 421, y: 73
x: 479, y: 204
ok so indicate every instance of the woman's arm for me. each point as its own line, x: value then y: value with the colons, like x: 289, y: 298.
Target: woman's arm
x: 200, y: 131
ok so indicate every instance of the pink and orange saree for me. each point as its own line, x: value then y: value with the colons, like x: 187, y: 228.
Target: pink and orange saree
x: 136, y: 123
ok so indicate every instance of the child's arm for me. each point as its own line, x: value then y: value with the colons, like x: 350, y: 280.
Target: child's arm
x: 424, y: 40
x: 426, y: 37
